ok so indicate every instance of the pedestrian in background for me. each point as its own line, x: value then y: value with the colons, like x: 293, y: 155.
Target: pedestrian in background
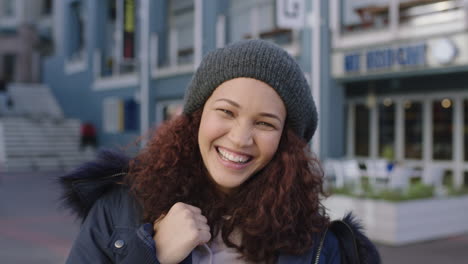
x: 88, y: 135
x: 230, y: 180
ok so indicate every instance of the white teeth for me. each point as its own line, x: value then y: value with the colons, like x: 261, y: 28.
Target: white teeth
x: 232, y: 157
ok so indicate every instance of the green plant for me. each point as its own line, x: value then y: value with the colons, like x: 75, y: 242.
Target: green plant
x: 419, y: 191
x: 452, y: 191
x: 415, y: 191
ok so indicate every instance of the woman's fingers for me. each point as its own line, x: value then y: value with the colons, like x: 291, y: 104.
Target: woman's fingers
x: 201, y: 219
x: 204, y: 237
x: 179, y: 231
x: 191, y: 208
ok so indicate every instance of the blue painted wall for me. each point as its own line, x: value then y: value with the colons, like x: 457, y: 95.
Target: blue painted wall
x: 332, y: 114
x: 79, y: 100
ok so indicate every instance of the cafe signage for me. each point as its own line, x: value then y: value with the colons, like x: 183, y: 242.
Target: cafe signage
x: 386, y: 58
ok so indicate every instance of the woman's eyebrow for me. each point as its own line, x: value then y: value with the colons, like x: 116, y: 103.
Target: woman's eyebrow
x: 271, y: 116
x: 229, y: 101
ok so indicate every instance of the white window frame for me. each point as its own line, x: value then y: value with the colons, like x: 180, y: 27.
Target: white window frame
x: 160, y: 105
x: 457, y: 165
x: 117, y: 80
x: 110, y: 115
x: 14, y: 20
x: 79, y: 63
x: 293, y: 48
x: 174, y: 68
x: 394, y: 32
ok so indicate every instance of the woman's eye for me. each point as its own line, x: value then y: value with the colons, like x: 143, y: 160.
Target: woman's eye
x: 265, y: 124
x: 226, y: 112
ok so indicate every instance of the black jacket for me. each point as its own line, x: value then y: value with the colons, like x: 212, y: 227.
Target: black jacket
x: 112, y: 231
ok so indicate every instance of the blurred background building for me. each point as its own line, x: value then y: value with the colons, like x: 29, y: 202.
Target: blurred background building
x: 401, y: 67
x: 124, y: 64
x: 388, y: 75
x: 25, y: 34
x: 34, y: 133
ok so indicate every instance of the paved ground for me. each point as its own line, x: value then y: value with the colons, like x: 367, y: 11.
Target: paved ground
x: 34, y: 231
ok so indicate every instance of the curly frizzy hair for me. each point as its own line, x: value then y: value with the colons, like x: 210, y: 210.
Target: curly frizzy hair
x: 278, y: 210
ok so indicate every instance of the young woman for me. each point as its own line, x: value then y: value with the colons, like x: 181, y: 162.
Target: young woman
x: 231, y: 180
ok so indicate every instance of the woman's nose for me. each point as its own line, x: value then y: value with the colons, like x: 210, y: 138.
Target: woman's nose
x: 241, y: 135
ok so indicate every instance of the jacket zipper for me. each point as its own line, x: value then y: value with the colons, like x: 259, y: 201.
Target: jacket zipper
x: 317, y: 258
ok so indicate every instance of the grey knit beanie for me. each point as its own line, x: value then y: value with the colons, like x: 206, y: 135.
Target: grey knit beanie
x: 264, y: 61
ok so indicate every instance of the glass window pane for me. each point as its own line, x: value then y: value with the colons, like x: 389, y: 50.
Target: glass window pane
x: 465, y: 128
x: 109, y: 50
x: 77, y: 28
x: 465, y: 179
x: 387, y: 129
x: 239, y: 20
x: 8, y: 8
x: 421, y: 13
x: 442, y: 120
x: 361, y: 132
x: 9, y: 67
x: 359, y: 15
x: 181, y: 19
x: 47, y: 7
x: 413, y: 130
x: 241, y: 16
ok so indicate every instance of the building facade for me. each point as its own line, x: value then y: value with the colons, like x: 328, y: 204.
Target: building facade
x: 25, y: 34
x: 124, y: 64
x: 400, y: 68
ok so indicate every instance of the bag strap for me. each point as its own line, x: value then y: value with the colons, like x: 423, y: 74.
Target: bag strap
x: 347, y: 240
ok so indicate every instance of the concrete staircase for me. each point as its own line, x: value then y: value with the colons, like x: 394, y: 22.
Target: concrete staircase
x: 34, y: 135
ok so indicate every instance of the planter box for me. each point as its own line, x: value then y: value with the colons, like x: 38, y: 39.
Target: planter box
x: 397, y: 223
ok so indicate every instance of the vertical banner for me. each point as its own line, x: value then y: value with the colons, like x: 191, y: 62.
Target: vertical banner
x: 129, y: 29
x: 290, y: 13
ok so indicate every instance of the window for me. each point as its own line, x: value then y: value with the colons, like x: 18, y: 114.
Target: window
x: 256, y: 19
x: 9, y: 66
x: 167, y: 110
x: 387, y: 129
x: 465, y: 129
x: 47, y: 7
x: 465, y: 179
x: 442, y: 127
x: 179, y: 34
x: 413, y: 129
x: 361, y: 132
x: 76, y: 33
x: 419, y: 13
x: 118, y: 53
x: 121, y: 115
x: 364, y: 15
x: 7, y: 8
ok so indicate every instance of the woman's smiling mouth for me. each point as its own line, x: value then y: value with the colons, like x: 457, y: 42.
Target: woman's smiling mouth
x: 230, y: 156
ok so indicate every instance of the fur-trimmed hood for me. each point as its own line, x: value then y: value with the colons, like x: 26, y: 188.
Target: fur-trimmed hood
x: 83, y: 186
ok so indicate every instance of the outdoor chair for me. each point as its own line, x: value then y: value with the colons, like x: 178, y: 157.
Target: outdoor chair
x: 377, y: 171
x: 334, y: 174
x: 399, y: 177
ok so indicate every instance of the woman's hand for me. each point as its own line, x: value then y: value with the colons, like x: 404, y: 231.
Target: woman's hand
x: 179, y: 232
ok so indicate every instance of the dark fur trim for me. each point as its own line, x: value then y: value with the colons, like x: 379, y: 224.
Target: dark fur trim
x: 355, y: 240
x: 83, y: 186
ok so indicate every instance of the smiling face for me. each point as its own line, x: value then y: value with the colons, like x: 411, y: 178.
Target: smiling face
x: 240, y: 129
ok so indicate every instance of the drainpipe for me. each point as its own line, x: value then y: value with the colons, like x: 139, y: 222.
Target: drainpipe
x: 144, y: 70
